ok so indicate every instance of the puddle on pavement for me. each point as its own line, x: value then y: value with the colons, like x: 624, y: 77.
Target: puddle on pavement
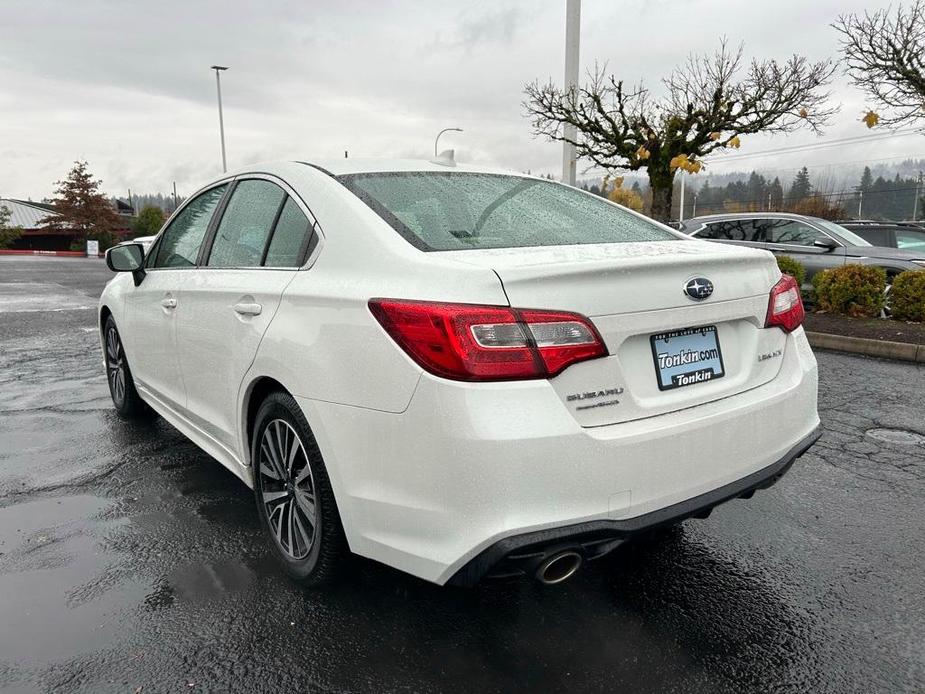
x: 902, y: 437
x: 19, y: 297
x: 49, y: 549
x: 199, y: 582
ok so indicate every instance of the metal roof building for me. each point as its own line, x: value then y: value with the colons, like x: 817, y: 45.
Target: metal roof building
x: 27, y: 215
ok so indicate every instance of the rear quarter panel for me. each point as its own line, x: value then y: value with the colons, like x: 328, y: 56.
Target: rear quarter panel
x: 323, y: 343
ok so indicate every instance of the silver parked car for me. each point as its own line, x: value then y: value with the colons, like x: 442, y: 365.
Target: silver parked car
x: 816, y: 243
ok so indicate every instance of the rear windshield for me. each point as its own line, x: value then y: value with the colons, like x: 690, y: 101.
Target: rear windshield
x: 450, y: 211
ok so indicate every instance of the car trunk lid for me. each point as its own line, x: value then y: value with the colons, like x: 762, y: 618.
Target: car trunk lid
x: 634, y: 291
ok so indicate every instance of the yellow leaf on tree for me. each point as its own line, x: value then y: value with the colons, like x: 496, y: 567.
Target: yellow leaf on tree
x: 693, y: 166
x: 715, y: 136
x: 678, y: 162
x: 871, y: 119
x: 803, y: 113
x: 734, y: 142
x: 642, y: 152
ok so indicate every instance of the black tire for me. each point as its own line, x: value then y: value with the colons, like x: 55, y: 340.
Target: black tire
x: 285, y: 504
x: 125, y: 398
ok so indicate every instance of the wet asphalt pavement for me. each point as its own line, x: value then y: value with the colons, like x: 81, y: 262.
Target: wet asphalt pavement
x: 132, y: 562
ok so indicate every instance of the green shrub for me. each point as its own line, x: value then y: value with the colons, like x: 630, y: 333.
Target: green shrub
x: 907, y: 297
x: 792, y: 267
x: 851, y: 290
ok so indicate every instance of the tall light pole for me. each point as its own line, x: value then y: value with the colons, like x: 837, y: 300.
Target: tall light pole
x: 681, y: 206
x: 445, y: 130
x: 572, y: 33
x: 221, y: 121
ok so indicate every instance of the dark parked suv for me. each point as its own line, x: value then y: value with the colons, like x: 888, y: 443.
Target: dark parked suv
x: 817, y: 243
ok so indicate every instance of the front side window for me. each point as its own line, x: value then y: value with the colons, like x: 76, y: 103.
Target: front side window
x: 179, y: 245
x: 727, y: 230
x: 448, y: 211
x: 246, y: 224
x: 792, y: 232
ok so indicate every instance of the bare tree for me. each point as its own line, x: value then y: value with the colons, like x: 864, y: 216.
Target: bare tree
x: 708, y: 104
x: 885, y: 56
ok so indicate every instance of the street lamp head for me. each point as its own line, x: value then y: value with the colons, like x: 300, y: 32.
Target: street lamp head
x: 219, y: 67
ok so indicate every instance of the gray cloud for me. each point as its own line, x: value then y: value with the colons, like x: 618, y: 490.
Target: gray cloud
x: 127, y: 85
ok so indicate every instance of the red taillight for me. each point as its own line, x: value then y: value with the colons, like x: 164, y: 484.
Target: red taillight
x: 488, y: 343
x: 785, y: 307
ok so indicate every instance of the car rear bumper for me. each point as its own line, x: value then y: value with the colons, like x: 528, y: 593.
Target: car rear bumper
x: 438, y: 489
x: 520, y: 555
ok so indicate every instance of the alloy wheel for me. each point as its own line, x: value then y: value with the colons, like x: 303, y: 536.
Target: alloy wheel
x: 287, y: 489
x: 115, y: 365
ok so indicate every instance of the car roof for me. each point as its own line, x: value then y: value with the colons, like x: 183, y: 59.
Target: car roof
x: 866, y: 224
x: 340, y: 167
x: 750, y: 215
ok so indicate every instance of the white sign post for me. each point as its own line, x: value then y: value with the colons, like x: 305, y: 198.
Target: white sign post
x: 93, y: 248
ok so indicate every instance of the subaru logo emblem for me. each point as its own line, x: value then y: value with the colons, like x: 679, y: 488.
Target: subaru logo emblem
x: 698, y: 288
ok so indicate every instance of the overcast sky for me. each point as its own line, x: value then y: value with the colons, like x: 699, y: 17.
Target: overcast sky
x: 126, y: 85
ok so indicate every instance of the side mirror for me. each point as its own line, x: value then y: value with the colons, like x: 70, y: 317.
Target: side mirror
x: 127, y: 257
x: 825, y: 243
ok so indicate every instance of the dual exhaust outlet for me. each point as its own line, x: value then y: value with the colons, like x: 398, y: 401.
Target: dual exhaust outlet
x: 558, y: 567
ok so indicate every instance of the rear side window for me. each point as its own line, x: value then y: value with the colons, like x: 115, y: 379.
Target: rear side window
x: 179, y: 245
x: 447, y: 211
x: 246, y: 224
x: 878, y: 237
x: 289, y: 238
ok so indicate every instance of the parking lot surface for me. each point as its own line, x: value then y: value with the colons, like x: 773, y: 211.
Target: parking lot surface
x: 132, y: 562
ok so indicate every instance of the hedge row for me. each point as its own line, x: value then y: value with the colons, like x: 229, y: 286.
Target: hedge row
x: 860, y: 290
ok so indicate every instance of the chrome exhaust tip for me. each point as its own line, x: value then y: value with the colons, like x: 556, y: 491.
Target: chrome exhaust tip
x: 558, y: 568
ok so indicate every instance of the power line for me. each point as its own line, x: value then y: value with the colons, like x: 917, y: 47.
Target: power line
x: 857, y: 139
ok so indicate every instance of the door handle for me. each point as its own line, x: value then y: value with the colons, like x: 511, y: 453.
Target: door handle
x: 169, y: 303
x: 248, y: 309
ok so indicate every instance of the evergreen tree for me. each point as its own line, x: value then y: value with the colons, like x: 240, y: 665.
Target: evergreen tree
x: 801, y: 187
x: 756, y: 191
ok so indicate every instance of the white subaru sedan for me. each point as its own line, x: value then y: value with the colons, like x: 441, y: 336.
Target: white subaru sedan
x: 459, y: 372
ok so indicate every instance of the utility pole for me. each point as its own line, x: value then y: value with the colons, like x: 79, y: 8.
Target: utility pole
x: 175, y: 203
x: 860, y: 202
x: 572, y: 35
x: 918, y: 194
x: 694, y: 211
x: 221, y: 122
x: 769, y: 201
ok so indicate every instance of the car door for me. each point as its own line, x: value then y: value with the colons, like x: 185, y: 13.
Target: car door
x: 254, y: 251
x: 152, y: 307
x: 796, y: 238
